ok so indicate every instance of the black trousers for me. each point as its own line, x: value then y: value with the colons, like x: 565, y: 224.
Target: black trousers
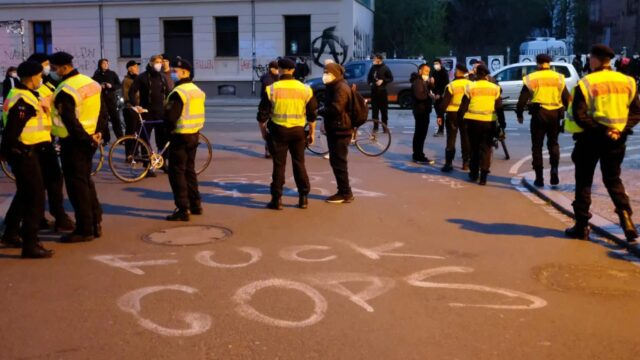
x: 76, y: 160
x: 380, y: 105
x: 160, y: 132
x: 338, y: 152
x: 281, y: 141
x: 29, y: 197
x: 131, y: 126
x: 481, y: 134
x: 420, y: 134
x: 114, y: 119
x: 454, y: 124
x: 182, y: 173
x: 545, y: 123
x: 437, y: 106
x: 590, y: 148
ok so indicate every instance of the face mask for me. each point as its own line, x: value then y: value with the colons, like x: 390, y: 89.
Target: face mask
x: 175, y: 77
x: 437, y: 67
x: 328, y: 78
x: 157, y: 67
x: 55, y: 76
x: 425, y: 77
x: 46, y: 70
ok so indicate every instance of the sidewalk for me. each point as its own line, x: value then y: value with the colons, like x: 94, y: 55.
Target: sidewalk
x: 605, y: 220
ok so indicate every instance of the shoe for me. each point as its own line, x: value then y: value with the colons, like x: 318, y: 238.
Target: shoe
x: 630, y: 231
x: 44, y: 224
x: 36, y: 252
x: 11, y: 241
x: 423, y: 160
x: 151, y: 174
x: 75, y: 238
x: 97, y: 231
x: 578, y: 231
x: 473, y: 176
x: 64, y: 224
x: 447, y: 168
x: 340, y: 199
x: 303, y: 202
x: 327, y: 157
x: 275, y: 204
x: 465, y: 166
x: 539, y: 181
x: 555, y: 179
x: 483, y: 178
x: 179, y: 215
x: 196, y: 210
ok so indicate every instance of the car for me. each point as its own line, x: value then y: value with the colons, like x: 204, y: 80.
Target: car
x: 356, y: 72
x: 510, y: 79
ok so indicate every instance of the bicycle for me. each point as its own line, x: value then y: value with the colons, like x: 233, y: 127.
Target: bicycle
x: 369, y: 140
x: 98, y: 162
x: 131, y: 157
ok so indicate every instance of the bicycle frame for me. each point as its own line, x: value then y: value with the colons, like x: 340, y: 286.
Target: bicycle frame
x: 146, y: 137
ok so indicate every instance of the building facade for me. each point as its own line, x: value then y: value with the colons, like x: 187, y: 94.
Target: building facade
x: 616, y: 23
x: 228, y: 41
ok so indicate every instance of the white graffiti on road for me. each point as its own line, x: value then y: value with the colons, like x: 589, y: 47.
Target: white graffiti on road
x: 204, y: 258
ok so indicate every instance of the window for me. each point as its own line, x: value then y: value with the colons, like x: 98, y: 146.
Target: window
x: 354, y: 71
x: 510, y: 74
x: 129, y: 37
x: 178, y: 39
x: 563, y: 69
x: 227, y: 36
x: 297, y: 35
x: 42, y: 37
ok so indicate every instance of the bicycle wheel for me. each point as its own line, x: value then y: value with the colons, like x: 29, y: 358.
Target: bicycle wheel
x: 98, y: 160
x: 130, y: 159
x: 320, y: 145
x: 371, y: 141
x: 6, y: 169
x: 203, y: 154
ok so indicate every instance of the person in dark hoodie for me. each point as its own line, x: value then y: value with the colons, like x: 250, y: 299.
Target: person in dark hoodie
x: 131, y: 123
x: 421, y: 87
x: 110, y: 83
x: 152, y: 88
x: 440, y: 78
x: 379, y: 77
x: 337, y: 123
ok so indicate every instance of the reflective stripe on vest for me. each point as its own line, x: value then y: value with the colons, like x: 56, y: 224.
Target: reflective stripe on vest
x: 609, y: 95
x: 38, y: 128
x: 46, y: 98
x: 546, y: 88
x: 289, y: 99
x: 482, y: 100
x: 193, y: 110
x: 86, y: 95
x: 456, y: 88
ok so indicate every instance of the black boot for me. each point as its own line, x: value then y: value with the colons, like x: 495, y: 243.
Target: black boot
x: 303, y: 202
x: 75, y: 238
x: 555, y: 179
x: 630, y: 231
x: 579, y: 231
x: 448, y: 167
x: 465, y: 165
x: 473, y: 175
x: 33, y: 250
x: 63, y: 224
x: 539, y: 182
x: 275, y: 204
x: 179, y: 215
x: 11, y: 240
x: 483, y: 177
x: 97, y: 230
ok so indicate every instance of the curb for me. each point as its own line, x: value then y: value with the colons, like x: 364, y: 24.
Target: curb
x: 599, y: 225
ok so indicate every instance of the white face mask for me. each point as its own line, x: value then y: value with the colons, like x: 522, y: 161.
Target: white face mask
x: 437, y: 67
x: 328, y: 78
x: 46, y: 70
x: 157, y: 67
x: 425, y: 77
x: 55, y: 76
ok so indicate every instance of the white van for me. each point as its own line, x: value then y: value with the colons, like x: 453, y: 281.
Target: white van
x: 510, y: 78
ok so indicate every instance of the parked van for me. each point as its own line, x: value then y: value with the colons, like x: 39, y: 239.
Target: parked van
x: 356, y: 72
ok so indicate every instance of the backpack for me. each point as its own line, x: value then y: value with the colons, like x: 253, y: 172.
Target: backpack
x: 359, y: 111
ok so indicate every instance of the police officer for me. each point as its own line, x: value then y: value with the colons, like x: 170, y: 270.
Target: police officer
x: 480, y: 105
x: 603, y: 113
x: 76, y: 116
x: 184, y: 118
x: 289, y: 105
x: 27, y: 129
x: 549, y: 97
x: 450, y: 105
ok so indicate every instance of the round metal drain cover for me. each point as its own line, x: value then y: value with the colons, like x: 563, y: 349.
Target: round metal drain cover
x: 188, y: 235
x: 589, y: 279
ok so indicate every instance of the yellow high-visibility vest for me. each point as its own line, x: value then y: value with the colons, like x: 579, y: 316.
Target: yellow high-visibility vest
x: 289, y: 99
x: 482, y: 96
x: 86, y: 94
x: 570, y: 125
x: 546, y: 87
x: 456, y: 88
x: 38, y: 128
x: 46, y: 98
x: 609, y: 95
x: 193, y: 114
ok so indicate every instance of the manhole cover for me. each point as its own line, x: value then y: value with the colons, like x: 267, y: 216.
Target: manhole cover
x: 590, y: 279
x: 188, y: 235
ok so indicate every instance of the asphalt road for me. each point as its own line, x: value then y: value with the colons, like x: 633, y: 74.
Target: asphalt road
x: 421, y: 266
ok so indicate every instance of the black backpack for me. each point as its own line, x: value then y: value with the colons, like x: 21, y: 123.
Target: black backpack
x: 358, y: 111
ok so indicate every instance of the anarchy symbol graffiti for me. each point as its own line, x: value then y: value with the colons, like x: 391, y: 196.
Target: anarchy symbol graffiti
x: 337, y: 49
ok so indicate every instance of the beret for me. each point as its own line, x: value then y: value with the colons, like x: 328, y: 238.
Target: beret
x: 29, y: 68
x: 482, y: 70
x: 543, y: 59
x: 38, y: 57
x: 602, y: 51
x: 461, y: 67
x: 61, y: 58
x: 182, y: 64
x: 285, y: 63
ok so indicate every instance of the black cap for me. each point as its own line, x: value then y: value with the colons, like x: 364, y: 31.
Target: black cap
x: 543, y: 59
x: 61, y: 58
x: 482, y: 70
x: 602, y: 51
x: 29, y: 68
x: 461, y: 67
x: 38, y: 57
x: 273, y: 64
x: 286, y: 63
x: 182, y: 64
x: 474, y: 61
x: 130, y: 63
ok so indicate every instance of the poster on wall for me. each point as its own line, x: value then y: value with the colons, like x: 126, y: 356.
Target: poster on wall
x: 496, y: 62
x: 527, y: 58
x: 449, y: 64
x: 469, y: 58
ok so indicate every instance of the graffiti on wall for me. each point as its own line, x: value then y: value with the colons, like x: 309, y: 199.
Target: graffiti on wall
x: 361, y: 43
x: 329, y: 45
x: 85, y: 58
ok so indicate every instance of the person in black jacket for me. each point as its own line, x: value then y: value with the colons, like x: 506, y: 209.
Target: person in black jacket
x: 266, y: 80
x: 110, y: 83
x: 337, y: 123
x: 10, y: 81
x: 440, y: 78
x: 378, y: 78
x: 421, y: 88
x: 152, y: 88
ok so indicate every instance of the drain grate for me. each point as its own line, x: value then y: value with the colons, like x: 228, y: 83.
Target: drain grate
x: 188, y: 235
